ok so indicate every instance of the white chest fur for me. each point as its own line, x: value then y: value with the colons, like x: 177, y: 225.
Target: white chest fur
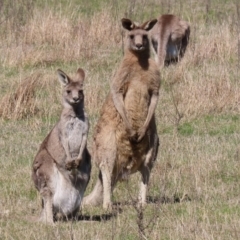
x: 74, y: 130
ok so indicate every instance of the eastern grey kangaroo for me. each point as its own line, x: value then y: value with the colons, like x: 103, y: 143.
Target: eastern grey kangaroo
x: 170, y: 37
x: 61, y: 168
x: 125, y: 138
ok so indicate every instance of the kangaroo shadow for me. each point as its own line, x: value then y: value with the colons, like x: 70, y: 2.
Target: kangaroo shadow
x: 156, y: 200
x: 102, y: 217
x: 117, y: 207
x: 96, y: 218
x: 168, y: 200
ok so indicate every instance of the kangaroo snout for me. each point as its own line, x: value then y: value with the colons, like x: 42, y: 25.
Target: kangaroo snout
x: 139, y: 46
x: 76, y: 99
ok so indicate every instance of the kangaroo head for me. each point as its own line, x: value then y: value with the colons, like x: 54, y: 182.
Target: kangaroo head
x: 72, y: 89
x: 138, y: 35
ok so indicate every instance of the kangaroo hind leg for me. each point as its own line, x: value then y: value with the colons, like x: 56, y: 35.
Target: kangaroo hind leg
x: 47, y: 210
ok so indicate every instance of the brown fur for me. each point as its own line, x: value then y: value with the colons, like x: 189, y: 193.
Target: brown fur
x: 61, y: 168
x: 170, y: 37
x: 125, y: 139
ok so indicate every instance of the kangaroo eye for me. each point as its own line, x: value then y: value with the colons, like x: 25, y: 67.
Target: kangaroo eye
x: 132, y: 36
x: 80, y: 92
x: 68, y: 91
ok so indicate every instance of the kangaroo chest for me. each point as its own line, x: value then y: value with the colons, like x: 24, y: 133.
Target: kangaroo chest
x: 136, y: 101
x: 74, y: 130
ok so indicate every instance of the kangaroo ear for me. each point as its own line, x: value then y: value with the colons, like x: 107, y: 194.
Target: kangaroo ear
x: 128, y: 24
x: 80, y: 74
x: 63, y: 77
x: 149, y: 24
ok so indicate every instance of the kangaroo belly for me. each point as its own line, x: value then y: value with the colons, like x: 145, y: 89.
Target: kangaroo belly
x: 66, y: 198
x: 129, y: 156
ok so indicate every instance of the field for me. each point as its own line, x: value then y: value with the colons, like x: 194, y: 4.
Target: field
x: 194, y: 190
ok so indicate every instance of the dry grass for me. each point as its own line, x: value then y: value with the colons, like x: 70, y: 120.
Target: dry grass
x: 21, y: 103
x: 60, y: 39
x: 194, y: 189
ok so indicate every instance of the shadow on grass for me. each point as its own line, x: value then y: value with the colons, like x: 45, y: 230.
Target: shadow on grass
x: 167, y: 200
x: 97, y: 218
x: 117, y: 207
x: 157, y: 200
x: 102, y: 217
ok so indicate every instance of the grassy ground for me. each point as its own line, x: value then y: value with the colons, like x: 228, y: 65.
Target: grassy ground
x: 195, y: 184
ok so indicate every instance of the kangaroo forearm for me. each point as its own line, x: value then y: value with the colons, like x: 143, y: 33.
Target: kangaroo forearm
x: 66, y: 148
x: 83, y: 146
x: 152, y: 106
x: 119, y: 105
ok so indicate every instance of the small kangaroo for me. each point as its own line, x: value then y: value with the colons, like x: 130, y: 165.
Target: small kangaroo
x: 170, y: 37
x: 62, y: 166
x: 125, y: 138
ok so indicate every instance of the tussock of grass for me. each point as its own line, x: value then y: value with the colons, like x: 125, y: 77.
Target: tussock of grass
x: 21, y: 102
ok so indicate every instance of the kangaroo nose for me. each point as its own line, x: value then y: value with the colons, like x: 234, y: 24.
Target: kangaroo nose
x: 75, y: 99
x: 138, y: 45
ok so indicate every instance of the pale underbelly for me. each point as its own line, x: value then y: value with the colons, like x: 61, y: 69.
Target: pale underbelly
x: 66, y: 198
